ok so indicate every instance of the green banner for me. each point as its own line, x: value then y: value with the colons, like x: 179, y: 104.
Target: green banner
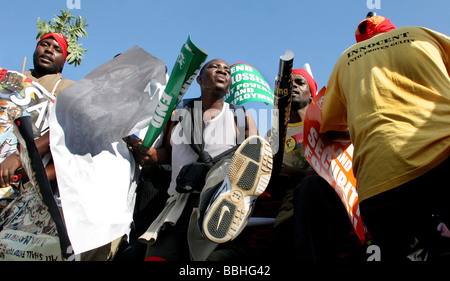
x: 188, y: 64
x: 247, y: 84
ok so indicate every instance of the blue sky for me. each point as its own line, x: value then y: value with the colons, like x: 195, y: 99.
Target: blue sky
x: 256, y: 32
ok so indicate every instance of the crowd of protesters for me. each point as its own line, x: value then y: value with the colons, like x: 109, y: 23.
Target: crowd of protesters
x: 389, y: 95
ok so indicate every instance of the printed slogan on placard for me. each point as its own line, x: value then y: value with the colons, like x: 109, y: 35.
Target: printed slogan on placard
x: 247, y: 84
x: 333, y: 162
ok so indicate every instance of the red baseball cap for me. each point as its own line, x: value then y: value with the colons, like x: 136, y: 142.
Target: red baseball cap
x: 373, y: 25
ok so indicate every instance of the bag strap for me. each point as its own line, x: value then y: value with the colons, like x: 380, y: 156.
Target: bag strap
x: 195, y: 133
x: 56, y: 86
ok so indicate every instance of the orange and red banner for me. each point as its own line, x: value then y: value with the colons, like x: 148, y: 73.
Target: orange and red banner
x: 332, y: 161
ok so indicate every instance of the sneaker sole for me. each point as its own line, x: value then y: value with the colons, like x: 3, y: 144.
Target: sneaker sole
x: 249, y: 174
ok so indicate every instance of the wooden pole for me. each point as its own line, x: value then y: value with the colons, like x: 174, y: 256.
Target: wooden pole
x: 23, y: 65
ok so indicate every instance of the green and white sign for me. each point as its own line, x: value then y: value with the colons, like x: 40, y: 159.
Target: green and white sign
x: 247, y: 84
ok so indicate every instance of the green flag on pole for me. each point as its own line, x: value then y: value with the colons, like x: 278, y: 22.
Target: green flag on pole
x: 188, y: 64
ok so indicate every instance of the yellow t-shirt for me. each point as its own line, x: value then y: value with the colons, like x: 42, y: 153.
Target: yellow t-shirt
x: 393, y: 94
x: 294, y: 155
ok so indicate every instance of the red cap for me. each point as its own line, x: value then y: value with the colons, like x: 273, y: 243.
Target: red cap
x: 374, y: 25
x: 311, y: 82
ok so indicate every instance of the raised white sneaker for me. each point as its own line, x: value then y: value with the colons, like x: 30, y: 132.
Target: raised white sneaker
x: 248, y: 176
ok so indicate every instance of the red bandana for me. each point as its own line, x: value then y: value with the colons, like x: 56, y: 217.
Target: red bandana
x: 311, y: 82
x: 59, y: 37
x: 375, y: 25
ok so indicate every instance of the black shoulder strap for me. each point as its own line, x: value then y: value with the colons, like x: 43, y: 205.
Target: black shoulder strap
x: 190, y: 115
